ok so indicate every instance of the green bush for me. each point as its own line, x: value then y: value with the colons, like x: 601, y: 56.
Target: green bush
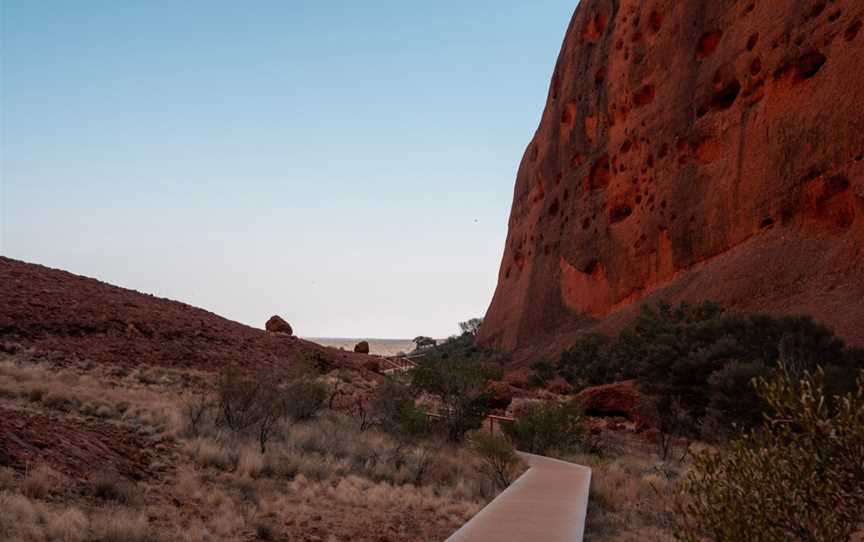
x: 702, y: 357
x: 395, y: 411
x: 547, y: 426
x: 460, y: 387
x: 303, y: 399
x: 799, y: 477
x: 543, y: 372
x: 499, y: 459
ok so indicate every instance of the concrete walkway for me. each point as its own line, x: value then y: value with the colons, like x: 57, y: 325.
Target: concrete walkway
x: 546, y: 504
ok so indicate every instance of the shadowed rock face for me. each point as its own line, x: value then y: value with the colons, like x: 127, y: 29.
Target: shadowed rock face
x: 691, y: 150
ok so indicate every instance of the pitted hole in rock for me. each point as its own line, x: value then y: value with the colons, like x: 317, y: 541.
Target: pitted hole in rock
x: 586, y: 222
x: 600, y: 75
x: 852, y: 31
x: 708, y: 44
x: 655, y: 21
x: 625, y: 147
x: 816, y: 10
x: 725, y: 97
x: 834, y: 16
x: 749, y: 8
x: 808, y: 65
x: 600, y: 174
x: 595, y: 27
x: 619, y: 212
x: 644, y: 96
x: 834, y: 186
x: 756, y: 66
x: 752, y: 41
x: 767, y: 222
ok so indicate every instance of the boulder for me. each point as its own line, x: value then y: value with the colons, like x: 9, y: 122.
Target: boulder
x: 362, y: 347
x: 277, y: 325
x: 618, y: 400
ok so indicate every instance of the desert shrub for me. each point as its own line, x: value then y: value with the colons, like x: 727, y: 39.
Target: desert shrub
x: 701, y: 356
x: 40, y: 481
x: 546, y: 426
x: 673, y: 422
x: 799, y: 477
x: 543, y: 371
x: 113, y: 487
x: 196, y: 410
x: 460, y: 386
x: 499, y: 460
x: 239, y: 399
x: 471, y: 326
x: 304, y: 398
x: 395, y: 412
x: 122, y: 526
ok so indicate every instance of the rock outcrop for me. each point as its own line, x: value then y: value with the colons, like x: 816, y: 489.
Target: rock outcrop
x: 276, y: 324
x: 362, y: 347
x: 620, y: 399
x: 690, y: 150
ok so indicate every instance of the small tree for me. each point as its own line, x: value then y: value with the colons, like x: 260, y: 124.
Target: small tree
x: 394, y: 409
x: 499, y: 459
x: 239, y: 399
x: 471, y: 327
x: 422, y: 342
x: 800, y: 477
x: 672, y: 421
x: 460, y: 386
x: 543, y: 372
x: 547, y: 426
x: 303, y: 399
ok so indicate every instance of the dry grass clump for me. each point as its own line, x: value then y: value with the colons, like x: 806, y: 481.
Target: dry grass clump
x: 112, y: 487
x: 631, y: 498
x: 67, y: 391
x: 40, y: 481
x: 122, y: 526
x: 29, y: 520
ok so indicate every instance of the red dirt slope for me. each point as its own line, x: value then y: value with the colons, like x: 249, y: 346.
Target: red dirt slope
x: 70, y: 317
x: 690, y: 150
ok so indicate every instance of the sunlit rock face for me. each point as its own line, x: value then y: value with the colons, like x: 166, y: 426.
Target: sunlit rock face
x: 691, y: 150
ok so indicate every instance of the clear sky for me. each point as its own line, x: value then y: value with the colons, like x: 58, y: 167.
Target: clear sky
x: 346, y: 164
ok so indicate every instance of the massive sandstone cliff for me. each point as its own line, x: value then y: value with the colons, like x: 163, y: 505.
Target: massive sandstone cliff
x: 691, y: 150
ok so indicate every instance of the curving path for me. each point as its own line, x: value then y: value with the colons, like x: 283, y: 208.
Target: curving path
x: 547, y: 503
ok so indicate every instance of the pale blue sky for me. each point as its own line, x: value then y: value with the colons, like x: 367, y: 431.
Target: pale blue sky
x: 348, y: 165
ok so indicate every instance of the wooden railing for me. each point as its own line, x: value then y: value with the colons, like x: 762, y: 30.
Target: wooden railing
x: 491, y: 418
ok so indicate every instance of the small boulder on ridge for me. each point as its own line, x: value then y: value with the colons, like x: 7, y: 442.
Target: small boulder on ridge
x: 277, y: 325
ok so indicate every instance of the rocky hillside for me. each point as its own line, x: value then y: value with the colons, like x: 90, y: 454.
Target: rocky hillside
x: 69, y: 318
x: 690, y: 151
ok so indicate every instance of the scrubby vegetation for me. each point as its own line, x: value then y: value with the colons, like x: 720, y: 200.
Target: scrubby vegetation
x: 546, y: 427
x: 703, y: 359
x: 799, y: 477
x: 320, y: 473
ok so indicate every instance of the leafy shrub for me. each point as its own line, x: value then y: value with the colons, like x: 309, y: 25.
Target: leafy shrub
x: 460, y: 386
x: 543, y: 372
x: 703, y: 358
x: 800, y: 477
x: 395, y: 411
x: 304, y: 398
x: 547, y: 426
x: 499, y: 459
